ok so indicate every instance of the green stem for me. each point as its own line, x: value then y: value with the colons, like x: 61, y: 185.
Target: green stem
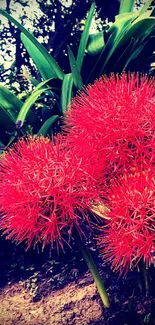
x: 94, y: 271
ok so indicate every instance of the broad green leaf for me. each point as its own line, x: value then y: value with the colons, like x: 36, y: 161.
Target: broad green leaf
x: 126, y: 6
x: 124, y: 57
x: 108, y: 51
x: 135, y: 53
x: 96, y: 43
x: 66, y: 92
x: 75, y: 71
x: 12, y: 105
x: 118, y: 29
x: 145, y: 6
x: 122, y: 24
x: 44, y: 67
x: 138, y: 28
x: 52, y: 63
x: 47, y: 125
x: 44, y: 83
x: 27, y: 105
x: 9, y: 102
x: 124, y: 18
x: 147, y: 14
x: 102, y: 60
x: 126, y: 27
x: 84, y: 37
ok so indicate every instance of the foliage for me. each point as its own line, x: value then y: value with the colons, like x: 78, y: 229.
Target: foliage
x: 126, y: 45
x: 55, y: 24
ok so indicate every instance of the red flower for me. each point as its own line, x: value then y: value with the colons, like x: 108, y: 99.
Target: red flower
x: 129, y: 235
x: 112, y: 121
x: 44, y: 192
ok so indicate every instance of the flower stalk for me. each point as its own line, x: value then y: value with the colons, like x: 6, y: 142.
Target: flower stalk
x: 93, y: 269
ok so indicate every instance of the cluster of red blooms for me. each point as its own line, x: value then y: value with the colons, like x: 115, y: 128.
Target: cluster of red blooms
x: 113, y: 120
x: 108, y: 152
x: 129, y: 235
x: 43, y: 192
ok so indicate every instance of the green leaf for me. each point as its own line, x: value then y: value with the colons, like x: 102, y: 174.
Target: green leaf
x: 44, y: 67
x: 138, y: 28
x: 119, y: 66
x: 10, y: 108
x: 126, y: 6
x: 122, y: 23
x: 47, y: 125
x: 9, y: 102
x: 146, y: 6
x: 102, y: 60
x: 118, y: 29
x: 27, y: 105
x: 134, y: 54
x: 2, y: 145
x: 96, y: 43
x: 52, y: 63
x: 84, y: 37
x: 44, y: 83
x: 107, y: 52
x: 75, y: 71
x: 66, y: 92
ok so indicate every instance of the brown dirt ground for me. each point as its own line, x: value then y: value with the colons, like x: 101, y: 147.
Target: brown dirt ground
x: 75, y: 304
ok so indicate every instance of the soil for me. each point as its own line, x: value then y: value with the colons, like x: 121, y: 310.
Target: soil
x: 59, y: 290
x: 77, y: 303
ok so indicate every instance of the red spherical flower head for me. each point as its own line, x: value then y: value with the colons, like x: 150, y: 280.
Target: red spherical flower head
x: 129, y: 234
x: 44, y: 192
x: 111, y: 120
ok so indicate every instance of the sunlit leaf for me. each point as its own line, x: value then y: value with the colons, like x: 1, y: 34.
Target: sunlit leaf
x: 145, y: 6
x: 9, y: 102
x: 138, y: 28
x: 126, y: 6
x: 84, y: 37
x: 66, y: 92
x: 75, y: 70
x: 27, y: 105
x: 46, y: 70
x: 96, y: 43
